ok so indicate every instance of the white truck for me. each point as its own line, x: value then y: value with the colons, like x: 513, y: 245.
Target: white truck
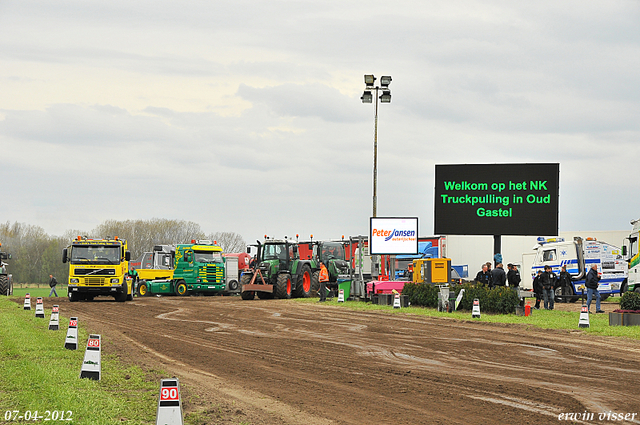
x: 632, y: 255
x: 579, y: 255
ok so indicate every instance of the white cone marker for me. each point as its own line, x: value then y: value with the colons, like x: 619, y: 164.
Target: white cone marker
x: 169, y: 403
x: 475, y: 312
x: 39, y: 308
x: 54, y: 323
x: 396, y: 301
x: 27, y: 301
x: 91, y: 363
x: 71, y: 342
x: 341, y: 296
x: 584, y: 317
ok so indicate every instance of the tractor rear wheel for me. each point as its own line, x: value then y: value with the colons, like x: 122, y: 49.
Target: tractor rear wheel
x: 303, y: 289
x: 315, y: 283
x: 283, y: 286
x: 246, y: 295
x: 4, y: 285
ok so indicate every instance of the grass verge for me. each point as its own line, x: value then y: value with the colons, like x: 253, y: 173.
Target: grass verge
x: 38, y: 374
x: 543, y: 319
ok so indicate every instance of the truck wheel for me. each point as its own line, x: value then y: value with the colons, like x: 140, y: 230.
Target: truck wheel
x: 624, y: 288
x: 233, y: 285
x: 181, y: 288
x: 143, y: 289
x: 283, y: 286
x: 604, y: 297
x: 4, y: 285
x: 315, y: 283
x: 246, y: 295
x: 73, y: 296
x: 637, y: 289
x: 303, y: 289
x: 121, y: 297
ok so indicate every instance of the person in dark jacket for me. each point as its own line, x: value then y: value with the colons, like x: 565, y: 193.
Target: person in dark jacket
x: 537, y: 289
x: 498, y: 277
x: 564, y: 283
x: 549, y: 279
x: 591, y: 283
x: 52, y: 284
x: 484, y: 276
x: 513, y: 277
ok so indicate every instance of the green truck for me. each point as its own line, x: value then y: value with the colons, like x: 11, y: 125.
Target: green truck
x: 195, y: 268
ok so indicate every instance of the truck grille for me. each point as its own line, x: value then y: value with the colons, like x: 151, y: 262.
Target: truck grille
x: 95, y: 272
x: 211, y: 274
x: 97, y: 281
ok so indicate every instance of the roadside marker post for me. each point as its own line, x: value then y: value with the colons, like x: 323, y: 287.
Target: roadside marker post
x: 475, y: 312
x: 27, y: 301
x: 341, y: 296
x: 396, y: 300
x: 39, y: 308
x: 91, y: 363
x: 584, y: 317
x: 71, y: 342
x: 54, y: 322
x: 169, y: 403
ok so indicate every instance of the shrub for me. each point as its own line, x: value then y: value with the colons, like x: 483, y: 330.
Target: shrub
x: 630, y: 301
x: 498, y: 300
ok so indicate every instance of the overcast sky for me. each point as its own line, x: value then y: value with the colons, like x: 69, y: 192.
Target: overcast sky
x: 245, y: 116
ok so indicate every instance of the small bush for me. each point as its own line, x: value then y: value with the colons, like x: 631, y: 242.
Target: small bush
x: 630, y: 301
x: 500, y: 300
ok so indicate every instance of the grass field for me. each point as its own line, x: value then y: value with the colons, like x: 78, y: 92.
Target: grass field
x: 38, y: 374
x: 38, y: 292
x: 544, y: 319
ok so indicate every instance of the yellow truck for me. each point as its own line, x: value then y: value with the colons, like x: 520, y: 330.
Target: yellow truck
x: 98, y: 267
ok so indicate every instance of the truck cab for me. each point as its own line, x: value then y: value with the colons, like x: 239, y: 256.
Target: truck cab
x: 632, y: 255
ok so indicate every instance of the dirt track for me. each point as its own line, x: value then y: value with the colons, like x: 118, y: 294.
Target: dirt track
x: 279, y: 361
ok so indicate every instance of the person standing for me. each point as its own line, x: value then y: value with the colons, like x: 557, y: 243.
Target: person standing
x: 513, y: 277
x: 591, y: 283
x: 324, y: 278
x: 498, y: 277
x: 548, y: 284
x: 52, y: 284
x: 564, y: 283
x: 484, y: 276
x: 537, y: 289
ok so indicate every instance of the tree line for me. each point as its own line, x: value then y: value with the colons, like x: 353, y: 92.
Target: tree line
x: 36, y: 254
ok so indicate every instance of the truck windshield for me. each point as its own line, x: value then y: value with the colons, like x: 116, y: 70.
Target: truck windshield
x: 207, y: 257
x: 331, y: 251
x: 95, y: 254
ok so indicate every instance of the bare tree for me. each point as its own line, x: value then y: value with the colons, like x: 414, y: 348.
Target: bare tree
x: 229, y: 241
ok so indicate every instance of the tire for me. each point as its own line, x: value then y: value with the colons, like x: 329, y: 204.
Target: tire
x: 604, y: 297
x: 283, y: 286
x: 143, y: 289
x: 233, y: 285
x: 315, y: 283
x: 4, y: 285
x: 73, y: 296
x: 247, y: 295
x: 181, y: 288
x: 637, y: 289
x: 121, y: 297
x: 265, y: 295
x: 624, y: 288
x: 303, y: 288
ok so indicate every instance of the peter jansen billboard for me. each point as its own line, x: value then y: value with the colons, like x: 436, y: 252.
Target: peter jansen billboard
x: 497, y: 199
x: 393, y: 235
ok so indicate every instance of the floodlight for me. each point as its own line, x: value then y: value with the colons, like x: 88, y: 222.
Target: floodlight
x: 367, y: 97
x: 385, y: 97
x: 385, y: 80
x: 369, y: 80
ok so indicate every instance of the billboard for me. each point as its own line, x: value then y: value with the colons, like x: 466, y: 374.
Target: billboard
x: 497, y: 199
x: 393, y: 235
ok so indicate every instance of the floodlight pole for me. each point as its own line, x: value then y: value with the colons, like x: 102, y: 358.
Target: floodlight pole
x: 375, y: 158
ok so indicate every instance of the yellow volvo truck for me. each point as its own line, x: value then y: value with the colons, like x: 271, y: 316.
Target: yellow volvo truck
x: 98, y: 267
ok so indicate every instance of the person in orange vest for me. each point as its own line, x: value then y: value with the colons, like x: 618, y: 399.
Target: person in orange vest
x: 324, y: 278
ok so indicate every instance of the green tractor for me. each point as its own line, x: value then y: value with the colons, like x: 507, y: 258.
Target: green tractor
x: 332, y: 254
x: 277, y: 272
x: 6, y: 283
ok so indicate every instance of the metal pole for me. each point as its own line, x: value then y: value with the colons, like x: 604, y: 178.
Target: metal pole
x: 375, y: 160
